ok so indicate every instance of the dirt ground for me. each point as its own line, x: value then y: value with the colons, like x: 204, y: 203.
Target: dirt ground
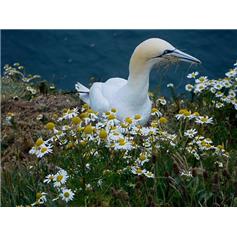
x: 18, y: 137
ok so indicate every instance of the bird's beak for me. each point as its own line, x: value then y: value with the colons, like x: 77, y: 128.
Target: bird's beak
x: 184, y: 56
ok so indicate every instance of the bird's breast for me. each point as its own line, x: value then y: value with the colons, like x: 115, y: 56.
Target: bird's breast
x: 128, y: 109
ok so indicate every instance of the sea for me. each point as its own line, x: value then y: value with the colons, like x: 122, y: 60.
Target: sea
x: 64, y: 57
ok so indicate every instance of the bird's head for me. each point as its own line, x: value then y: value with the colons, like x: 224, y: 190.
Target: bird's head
x: 155, y: 50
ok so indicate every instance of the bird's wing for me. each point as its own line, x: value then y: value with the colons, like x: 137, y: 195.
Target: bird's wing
x: 83, y: 92
x: 98, y: 101
x: 102, y: 95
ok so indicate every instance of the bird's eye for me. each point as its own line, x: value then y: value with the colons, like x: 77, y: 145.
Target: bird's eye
x: 167, y: 51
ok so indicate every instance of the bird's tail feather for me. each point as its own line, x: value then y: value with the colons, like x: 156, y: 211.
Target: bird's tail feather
x: 83, y: 92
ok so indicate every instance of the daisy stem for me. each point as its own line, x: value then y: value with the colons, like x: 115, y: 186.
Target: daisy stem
x: 155, y: 180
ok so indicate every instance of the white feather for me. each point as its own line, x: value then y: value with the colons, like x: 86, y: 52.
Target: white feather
x: 130, y: 97
x: 84, y: 95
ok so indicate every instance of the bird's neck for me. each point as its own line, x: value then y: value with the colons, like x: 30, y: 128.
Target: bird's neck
x: 138, y: 80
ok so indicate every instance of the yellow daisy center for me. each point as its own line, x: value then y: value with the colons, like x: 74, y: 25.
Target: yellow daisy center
x: 59, y: 178
x: 39, y: 142
x: 121, y: 142
x: 85, y: 106
x: 204, y: 119
x: 139, y: 171
x: 128, y: 120
x: 84, y: 115
x: 51, y: 177
x: 142, y: 157
x: 50, y: 126
x: 88, y: 129
x: 220, y: 146
x: 76, y: 120
x: 38, y: 196
x: 103, y: 134
x: 43, y: 149
x: 111, y: 117
x: 137, y: 116
x: 83, y: 143
x: 123, y: 125
x: 69, y: 145
x: 154, y: 124
x: 163, y: 120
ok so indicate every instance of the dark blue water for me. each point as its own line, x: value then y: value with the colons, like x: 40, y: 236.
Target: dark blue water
x: 64, y: 57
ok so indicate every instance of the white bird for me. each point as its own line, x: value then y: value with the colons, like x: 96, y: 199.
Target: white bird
x: 130, y: 97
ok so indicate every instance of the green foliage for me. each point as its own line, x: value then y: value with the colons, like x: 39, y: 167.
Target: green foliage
x: 185, y: 156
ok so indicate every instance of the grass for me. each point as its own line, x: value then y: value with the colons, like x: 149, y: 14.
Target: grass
x: 161, y: 167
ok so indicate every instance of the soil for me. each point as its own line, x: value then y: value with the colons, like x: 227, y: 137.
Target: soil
x: 18, y: 137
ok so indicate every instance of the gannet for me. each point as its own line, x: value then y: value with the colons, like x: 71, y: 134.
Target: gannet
x: 130, y: 97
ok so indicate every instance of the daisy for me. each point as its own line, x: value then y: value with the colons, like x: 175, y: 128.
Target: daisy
x: 186, y: 173
x: 199, y: 88
x: 88, y: 187
x: 60, y: 178
x: 162, y: 101
x: 231, y: 73
x: 67, y: 195
x: 41, y: 147
x: 88, y: 166
x: 129, y: 121
x: 219, y: 94
x: 112, y: 120
x: 194, y: 115
x: 218, y: 86
x: 137, y: 170
x: 99, y: 125
x: 66, y: 127
x: 149, y: 174
x: 68, y: 114
x: 145, y: 131
x: 219, y: 105
x: 123, y: 144
x: 49, y: 178
x: 204, y: 120
x: 115, y: 136
x: 190, y: 133
x: 138, y: 118
x: 155, y: 111
x: 183, y: 113
x: 219, y: 149
x: 205, y: 146
x: 40, y: 198
x: 93, y: 115
x: 226, y: 84
x: 213, y: 90
x: 39, y: 117
x: 99, y: 183
x: 142, y: 159
x: 170, y: 85
x: 235, y: 105
x: 43, y: 150
x: 192, y: 75
x: 201, y: 80
x: 219, y: 164
x: 232, y: 93
x: 163, y: 120
x: 189, y: 87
